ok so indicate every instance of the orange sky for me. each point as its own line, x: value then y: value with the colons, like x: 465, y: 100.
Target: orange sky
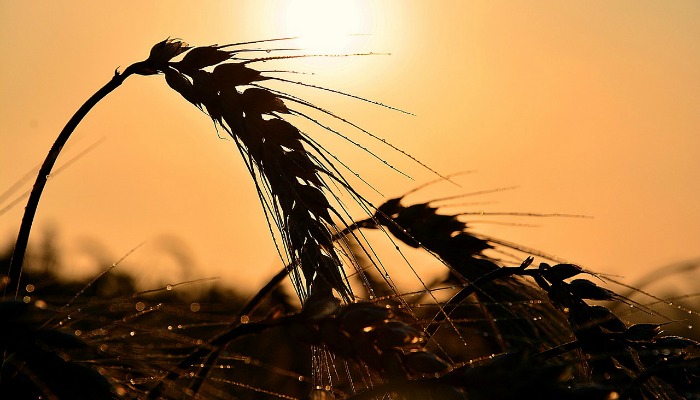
x: 589, y: 107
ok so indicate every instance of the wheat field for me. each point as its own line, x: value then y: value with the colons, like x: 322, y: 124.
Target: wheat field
x: 492, y: 320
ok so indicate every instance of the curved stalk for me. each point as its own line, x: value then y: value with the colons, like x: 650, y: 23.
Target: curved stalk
x: 14, y: 272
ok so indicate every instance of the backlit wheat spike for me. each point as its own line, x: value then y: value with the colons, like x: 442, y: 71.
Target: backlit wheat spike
x: 499, y: 332
x: 420, y: 225
x: 288, y: 178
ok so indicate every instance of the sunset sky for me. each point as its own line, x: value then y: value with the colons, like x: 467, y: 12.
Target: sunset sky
x: 590, y: 108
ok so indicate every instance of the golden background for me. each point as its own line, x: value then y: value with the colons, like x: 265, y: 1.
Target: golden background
x: 589, y: 107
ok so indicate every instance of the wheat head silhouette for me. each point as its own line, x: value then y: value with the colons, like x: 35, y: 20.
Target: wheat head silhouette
x: 544, y: 336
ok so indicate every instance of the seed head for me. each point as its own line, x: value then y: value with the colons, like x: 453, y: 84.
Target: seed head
x: 161, y: 54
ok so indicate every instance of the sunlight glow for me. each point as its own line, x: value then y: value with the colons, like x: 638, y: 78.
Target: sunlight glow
x: 325, y: 26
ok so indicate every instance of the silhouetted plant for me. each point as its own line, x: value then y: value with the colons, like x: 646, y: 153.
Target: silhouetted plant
x: 500, y: 332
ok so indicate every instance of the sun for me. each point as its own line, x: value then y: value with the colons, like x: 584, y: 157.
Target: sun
x: 325, y: 26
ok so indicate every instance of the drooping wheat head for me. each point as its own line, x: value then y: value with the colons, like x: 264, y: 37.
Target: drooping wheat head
x: 289, y: 168
x: 505, y: 331
x: 291, y: 176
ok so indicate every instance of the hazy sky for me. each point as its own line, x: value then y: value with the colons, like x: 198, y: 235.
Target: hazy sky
x: 588, y: 107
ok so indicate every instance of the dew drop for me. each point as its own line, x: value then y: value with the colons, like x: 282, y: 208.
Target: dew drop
x: 169, y: 287
x: 690, y: 326
x: 29, y: 288
x: 140, y: 306
x: 245, y: 319
x: 170, y: 327
x: 132, y: 333
x: 194, y: 307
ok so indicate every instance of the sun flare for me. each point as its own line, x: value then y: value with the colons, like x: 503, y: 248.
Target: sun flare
x: 325, y: 26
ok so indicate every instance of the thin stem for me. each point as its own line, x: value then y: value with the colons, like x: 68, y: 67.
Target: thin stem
x: 14, y: 272
x: 248, y: 309
x: 213, y: 349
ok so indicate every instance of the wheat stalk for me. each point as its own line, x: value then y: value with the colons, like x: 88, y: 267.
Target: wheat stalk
x: 548, y: 335
x: 289, y: 180
x: 161, y: 53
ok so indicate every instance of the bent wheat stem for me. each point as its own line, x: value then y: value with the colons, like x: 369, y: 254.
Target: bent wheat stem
x: 160, y: 54
x: 15, y: 270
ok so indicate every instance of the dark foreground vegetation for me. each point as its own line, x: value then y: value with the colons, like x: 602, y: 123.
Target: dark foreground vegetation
x: 489, y: 328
